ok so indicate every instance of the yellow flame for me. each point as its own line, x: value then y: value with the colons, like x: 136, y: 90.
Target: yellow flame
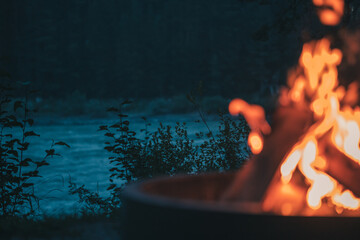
x: 314, y: 85
x: 289, y: 166
x: 320, y: 84
x: 346, y: 200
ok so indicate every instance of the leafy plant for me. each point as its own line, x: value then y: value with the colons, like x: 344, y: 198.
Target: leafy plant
x: 17, y: 195
x: 166, y: 151
x: 227, y: 149
x: 93, y: 203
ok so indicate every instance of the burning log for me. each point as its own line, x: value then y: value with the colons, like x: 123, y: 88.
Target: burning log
x: 315, y: 138
x: 309, y: 165
x: 251, y: 183
x: 341, y: 167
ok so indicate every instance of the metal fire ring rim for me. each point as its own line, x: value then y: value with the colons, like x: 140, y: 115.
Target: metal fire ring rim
x: 135, y: 193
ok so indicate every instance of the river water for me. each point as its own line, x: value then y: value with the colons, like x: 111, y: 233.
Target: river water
x: 86, y: 162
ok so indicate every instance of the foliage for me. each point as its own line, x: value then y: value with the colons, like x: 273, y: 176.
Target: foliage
x: 94, y: 204
x: 17, y: 171
x: 166, y: 151
x: 226, y: 151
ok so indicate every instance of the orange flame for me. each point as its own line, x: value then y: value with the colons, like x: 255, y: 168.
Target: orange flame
x: 320, y: 84
x: 256, y: 142
x: 330, y: 11
x: 314, y: 85
x: 255, y: 117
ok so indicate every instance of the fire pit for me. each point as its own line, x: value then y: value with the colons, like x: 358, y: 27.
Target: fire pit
x: 303, y: 181
x: 188, y: 207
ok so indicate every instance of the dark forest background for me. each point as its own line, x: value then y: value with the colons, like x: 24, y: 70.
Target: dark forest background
x: 150, y: 48
x: 145, y: 49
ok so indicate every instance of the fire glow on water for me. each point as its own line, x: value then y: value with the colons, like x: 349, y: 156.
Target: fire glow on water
x: 313, y: 86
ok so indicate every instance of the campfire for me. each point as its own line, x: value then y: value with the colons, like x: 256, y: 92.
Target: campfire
x: 303, y: 180
x: 308, y: 162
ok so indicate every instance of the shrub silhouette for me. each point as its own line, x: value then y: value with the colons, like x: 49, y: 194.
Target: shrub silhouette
x: 165, y: 152
x: 17, y: 196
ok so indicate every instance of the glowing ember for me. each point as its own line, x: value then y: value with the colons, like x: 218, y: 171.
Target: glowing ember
x: 314, y: 86
x: 255, y: 116
x: 256, y: 142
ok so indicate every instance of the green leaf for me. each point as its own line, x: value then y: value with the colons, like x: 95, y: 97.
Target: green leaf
x: 126, y: 102
x: 111, y: 186
x: 25, y: 185
x: 15, y: 124
x: 42, y: 163
x: 30, y: 121
x: 103, y: 128
x: 24, y: 146
x: 24, y: 164
x: 31, y: 133
x: 109, y: 148
x: 50, y: 152
x: 109, y: 134
x: 13, y: 152
x: 32, y: 174
x: 62, y: 144
x: 27, y: 160
x: 14, y: 169
x: 12, y: 117
x: 131, y: 133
